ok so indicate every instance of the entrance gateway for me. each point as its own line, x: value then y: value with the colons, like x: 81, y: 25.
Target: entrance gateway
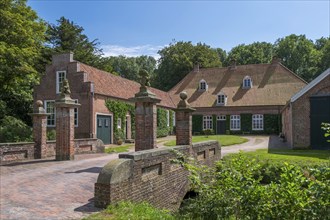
x: 103, y: 128
x: 320, y: 112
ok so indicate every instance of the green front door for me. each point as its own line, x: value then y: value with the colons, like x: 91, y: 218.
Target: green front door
x: 320, y: 112
x: 103, y: 130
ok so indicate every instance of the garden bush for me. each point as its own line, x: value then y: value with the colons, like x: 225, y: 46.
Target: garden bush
x: 244, y: 188
x: 14, y: 130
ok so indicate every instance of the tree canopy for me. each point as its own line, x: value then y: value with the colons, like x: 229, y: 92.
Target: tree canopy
x: 22, y: 37
x: 67, y: 36
x: 179, y: 58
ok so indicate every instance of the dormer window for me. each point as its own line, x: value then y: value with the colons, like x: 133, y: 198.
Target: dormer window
x: 221, y: 99
x: 247, y: 82
x: 203, y: 85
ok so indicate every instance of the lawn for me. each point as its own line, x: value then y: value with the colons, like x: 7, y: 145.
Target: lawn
x: 119, y: 149
x: 291, y: 156
x: 224, y: 140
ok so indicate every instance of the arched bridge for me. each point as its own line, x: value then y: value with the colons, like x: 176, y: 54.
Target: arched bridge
x: 151, y: 176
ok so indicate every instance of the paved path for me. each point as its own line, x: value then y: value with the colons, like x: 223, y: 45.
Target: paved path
x: 47, y: 189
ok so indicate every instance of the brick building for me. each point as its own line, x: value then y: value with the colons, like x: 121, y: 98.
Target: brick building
x: 239, y: 99
x: 304, y: 113
x: 90, y: 87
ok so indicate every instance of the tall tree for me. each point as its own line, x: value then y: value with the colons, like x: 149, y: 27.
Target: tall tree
x: 298, y: 54
x: 179, y: 58
x: 128, y: 67
x: 21, y: 42
x: 257, y: 52
x: 67, y: 36
x: 323, y: 46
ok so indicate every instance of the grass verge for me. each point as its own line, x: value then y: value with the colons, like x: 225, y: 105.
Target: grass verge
x: 224, y: 140
x: 120, y: 149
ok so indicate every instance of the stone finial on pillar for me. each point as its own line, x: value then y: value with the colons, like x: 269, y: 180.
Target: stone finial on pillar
x: 183, y: 123
x: 39, y: 117
x: 65, y: 124
x: 145, y: 115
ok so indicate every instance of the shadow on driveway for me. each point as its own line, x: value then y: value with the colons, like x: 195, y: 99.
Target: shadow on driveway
x: 88, y: 170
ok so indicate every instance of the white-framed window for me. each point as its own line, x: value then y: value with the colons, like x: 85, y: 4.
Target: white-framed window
x: 76, y: 114
x: 221, y: 99
x: 60, y: 77
x: 247, y: 82
x: 173, y: 118
x: 207, y: 122
x: 221, y: 118
x: 50, y: 108
x: 203, y: 85
x: 119, y: 123
x: 235, y: 122
x: 168, y: 118
x: 257, y: 122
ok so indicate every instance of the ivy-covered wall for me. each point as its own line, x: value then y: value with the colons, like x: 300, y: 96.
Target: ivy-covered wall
x: 197, y: 124
x: 120, y: 109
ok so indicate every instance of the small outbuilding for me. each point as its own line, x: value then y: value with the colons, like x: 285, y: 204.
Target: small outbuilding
x: 304, y: 113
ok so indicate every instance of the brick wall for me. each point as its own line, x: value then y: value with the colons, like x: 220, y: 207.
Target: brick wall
x: 151, y: 176
x: 301, y: 114
x: 14, y: 152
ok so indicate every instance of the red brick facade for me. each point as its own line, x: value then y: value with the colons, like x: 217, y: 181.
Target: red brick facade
x: 296, y: 115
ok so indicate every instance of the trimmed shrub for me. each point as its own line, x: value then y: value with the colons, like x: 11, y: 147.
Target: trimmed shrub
x: 14, y: 130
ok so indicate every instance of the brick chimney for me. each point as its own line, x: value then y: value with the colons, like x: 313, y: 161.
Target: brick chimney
x: 276, y: 60
x: 196, y: 67
x: 62, y: 58
x: 232, y: 64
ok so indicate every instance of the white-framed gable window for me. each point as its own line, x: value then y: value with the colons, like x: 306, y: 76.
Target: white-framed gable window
x: 221, y: 99
x: 257, y: 122
x: 221, y: 117
x: 235, y: 122
x: 50, y: 108
x: 203, y: 85
x: 247, y: 82
x: 207, y: 122
x: 60, y: 77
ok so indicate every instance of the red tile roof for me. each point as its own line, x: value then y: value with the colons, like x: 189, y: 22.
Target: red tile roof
x: 273, y: 84
x: 118, y: 87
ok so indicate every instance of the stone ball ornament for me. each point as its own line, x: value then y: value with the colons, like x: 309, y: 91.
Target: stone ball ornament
x: 183, y: 95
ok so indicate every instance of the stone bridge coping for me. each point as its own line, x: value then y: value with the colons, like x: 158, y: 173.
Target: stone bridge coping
x: 140, y: 155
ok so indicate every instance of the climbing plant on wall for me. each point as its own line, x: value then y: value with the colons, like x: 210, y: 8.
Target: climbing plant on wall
x: 162, y: 124
x: 119, y: 110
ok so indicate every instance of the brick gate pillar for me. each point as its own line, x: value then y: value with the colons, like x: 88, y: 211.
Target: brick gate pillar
x: 183, y: 125
x: 145, y: 115
x: 40, y: 131
x: 65, y: 124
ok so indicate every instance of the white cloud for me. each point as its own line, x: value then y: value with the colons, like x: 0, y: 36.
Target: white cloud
x: 135, y: 51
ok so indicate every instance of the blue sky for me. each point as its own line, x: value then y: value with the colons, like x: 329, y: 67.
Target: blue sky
x: 134, y: 28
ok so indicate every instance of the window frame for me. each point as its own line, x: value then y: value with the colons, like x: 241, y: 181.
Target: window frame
x: 221, y: 118
x: 258, y: 120
x: 234, y: 121
x: 59, y: 80
x: 207, y: 122
x: 52, y: 113
x: 168, y: 118
x: 202, y: 82
x: 249, y: 84
x: 223, y: 98
x: 118, y: 123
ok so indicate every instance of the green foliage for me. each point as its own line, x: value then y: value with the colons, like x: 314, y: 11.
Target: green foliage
x: 197, y: 124
x: 272, y: 124
x: 14, y: 130
x: 129, y: 67
x: 119, y: 110
x: 162, y: 129
x: 178, y: 59
x: 21, y: 42
x: 51, y: 134
x: 298, y: 54
x: 224, y: 140
x: 120, y: 149
x: 235, y: 191
x: 132, y: 211
x: 257, y: 52
x: 208, y: 132
x: 246, y: 123
x: 326, y: 128
x: 67, y: 36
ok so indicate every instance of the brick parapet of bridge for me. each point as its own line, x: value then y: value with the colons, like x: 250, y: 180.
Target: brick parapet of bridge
x: 151, y: 176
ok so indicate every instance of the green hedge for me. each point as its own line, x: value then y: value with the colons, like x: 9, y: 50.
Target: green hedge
x: 197, y: 124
